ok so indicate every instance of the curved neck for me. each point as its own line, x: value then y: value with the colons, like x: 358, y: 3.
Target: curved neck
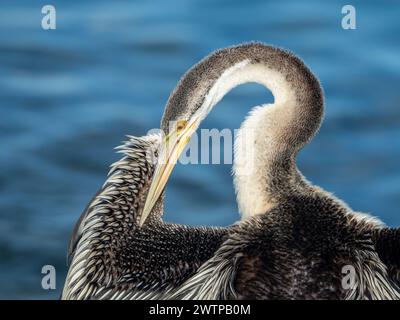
x: 269, y: 139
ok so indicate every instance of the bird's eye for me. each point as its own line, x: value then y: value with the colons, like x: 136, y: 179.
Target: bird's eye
x: 181, y: 124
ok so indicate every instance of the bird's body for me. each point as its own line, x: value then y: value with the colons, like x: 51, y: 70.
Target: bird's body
x: 300, y: 249
x: 294, y: 241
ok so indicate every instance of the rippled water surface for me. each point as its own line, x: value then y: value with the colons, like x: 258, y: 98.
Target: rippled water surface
x: 68, y: 96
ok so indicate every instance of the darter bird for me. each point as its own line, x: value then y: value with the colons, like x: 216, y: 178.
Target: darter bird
x: 294, y: 240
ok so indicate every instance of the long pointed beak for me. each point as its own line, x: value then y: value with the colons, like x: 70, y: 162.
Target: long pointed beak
x: 170, y: 151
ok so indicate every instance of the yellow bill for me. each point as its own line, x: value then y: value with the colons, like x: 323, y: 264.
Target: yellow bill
x: 170, y: 151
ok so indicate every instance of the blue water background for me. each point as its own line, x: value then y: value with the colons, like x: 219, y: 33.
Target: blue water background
x: 70, y: 95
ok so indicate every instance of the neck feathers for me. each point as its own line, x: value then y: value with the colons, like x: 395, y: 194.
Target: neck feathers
x: 272, y: 135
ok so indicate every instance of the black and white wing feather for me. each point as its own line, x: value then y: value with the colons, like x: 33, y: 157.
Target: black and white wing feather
x: 111, y: 257
x: 387, y: 244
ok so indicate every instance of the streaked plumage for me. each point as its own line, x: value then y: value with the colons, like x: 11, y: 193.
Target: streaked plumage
x: 112, y: 258
x: 294, y: 238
